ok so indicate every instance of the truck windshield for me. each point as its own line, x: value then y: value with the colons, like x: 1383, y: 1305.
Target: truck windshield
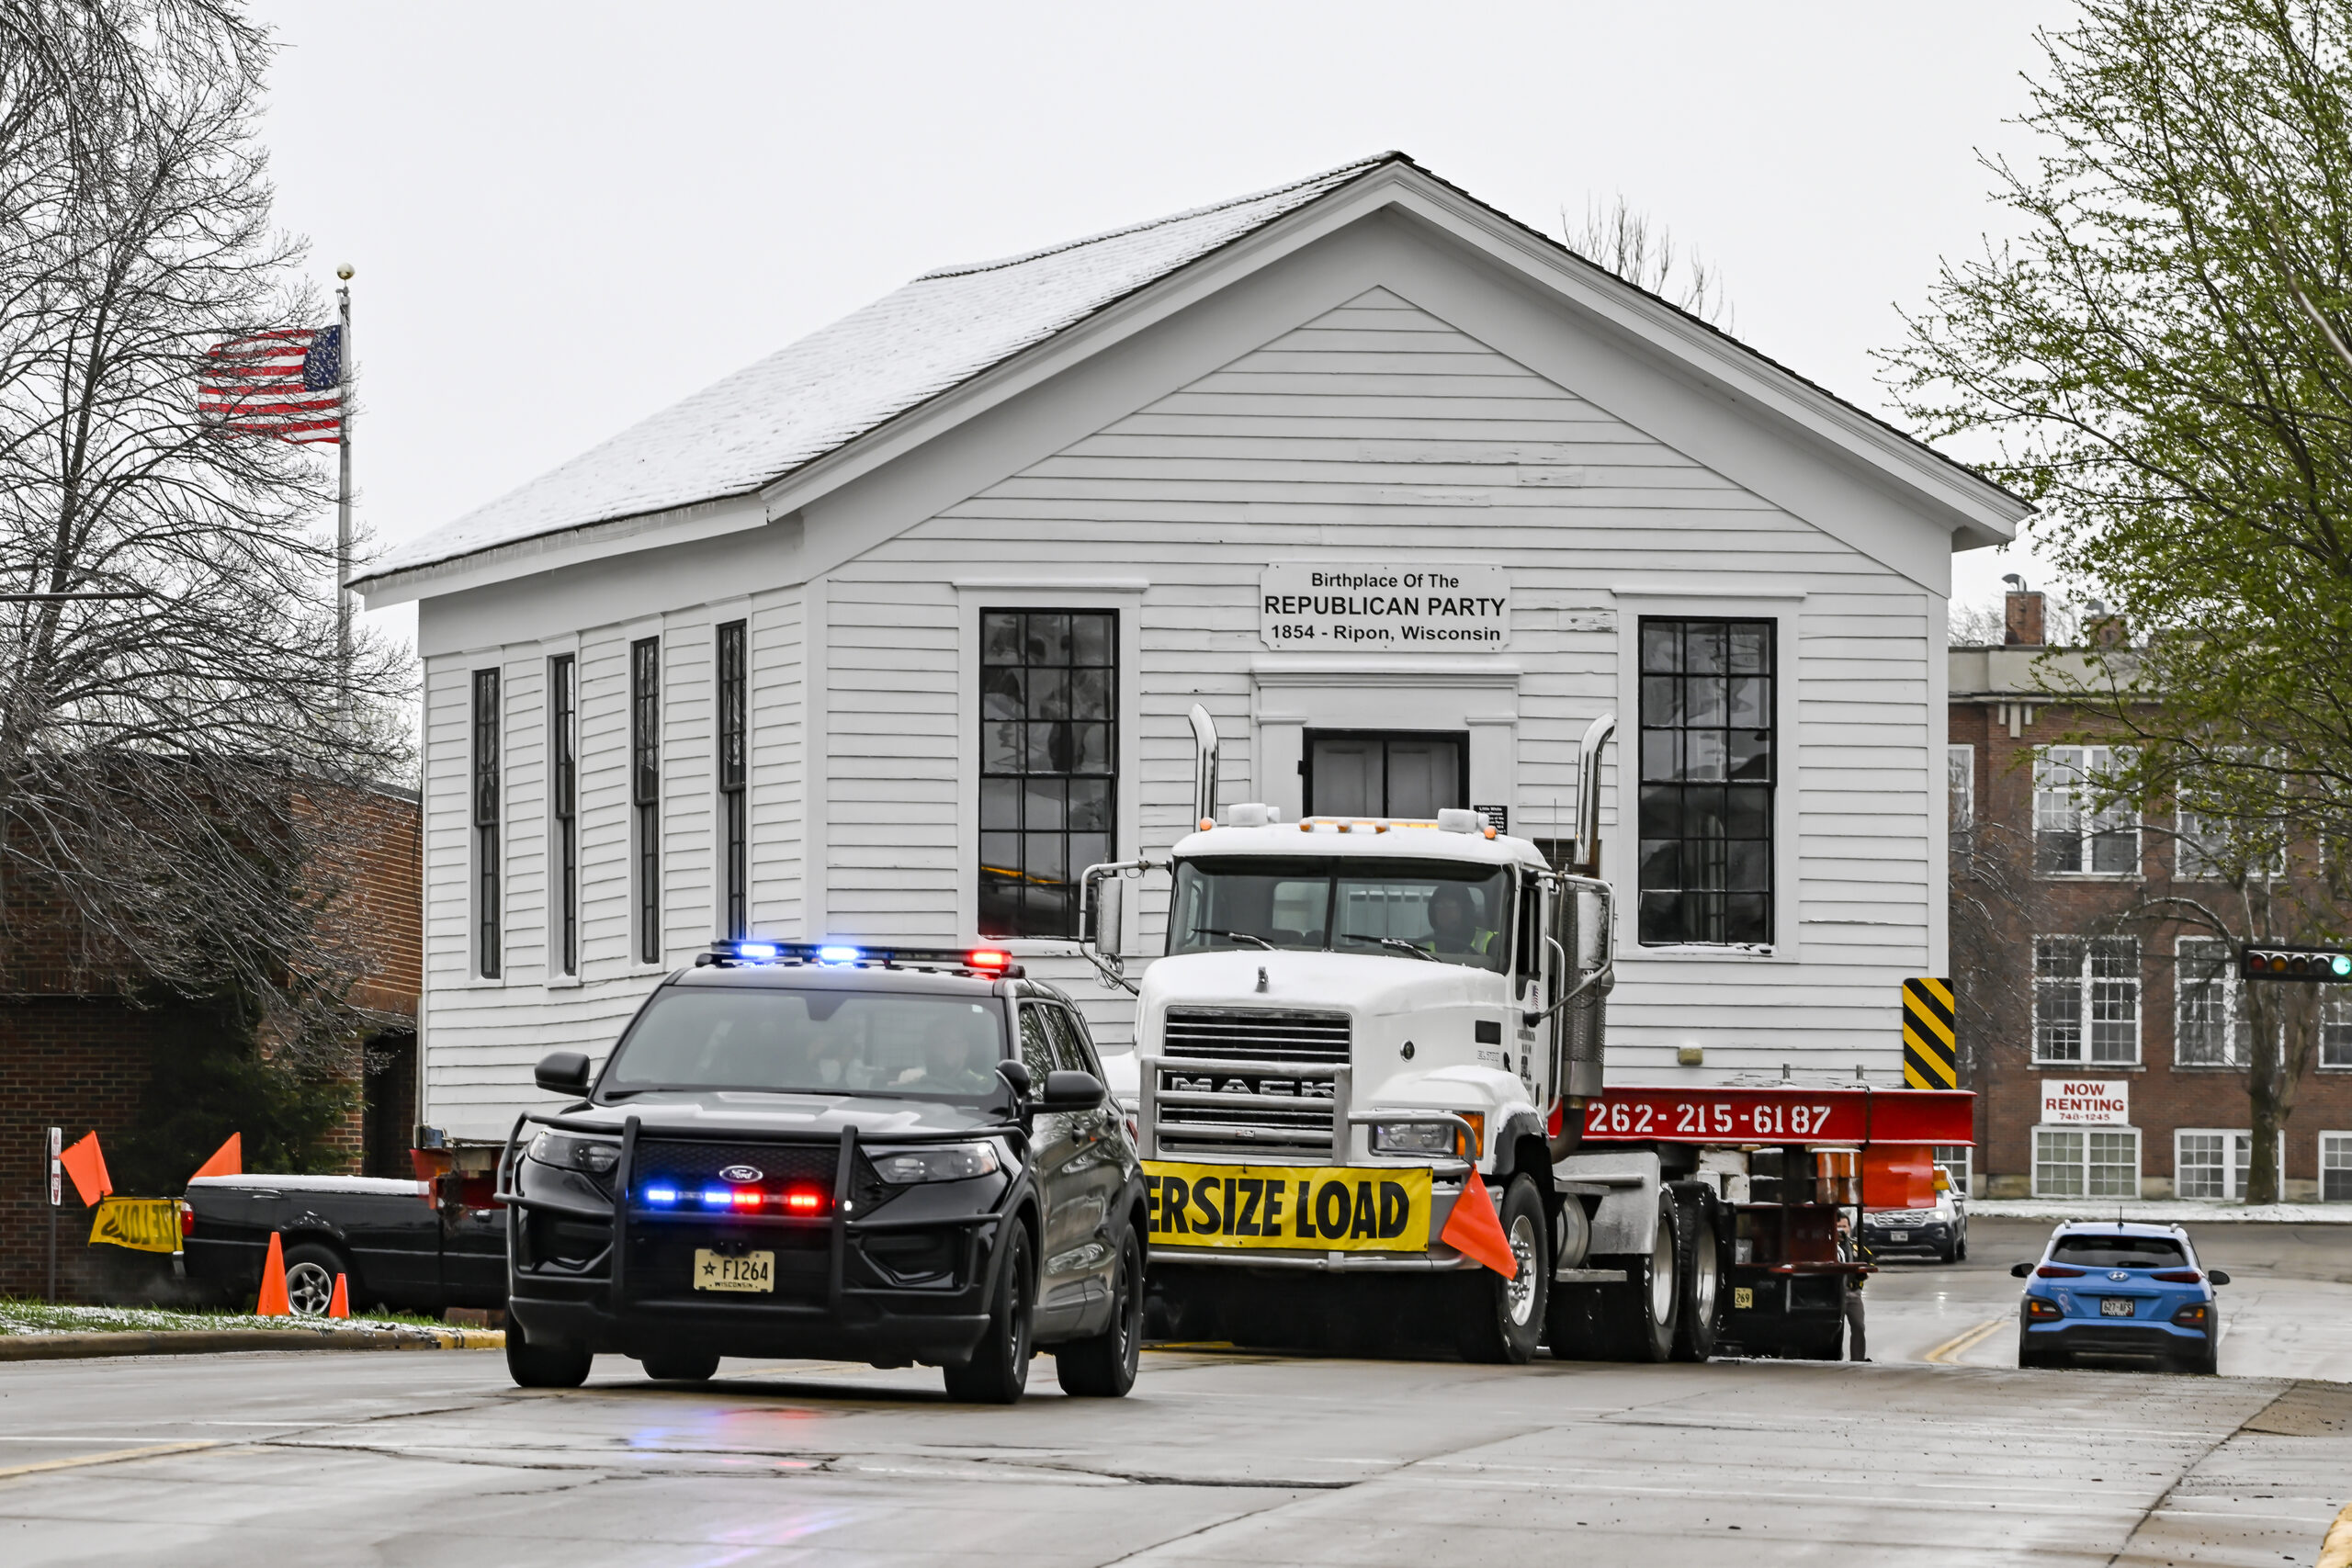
x: 1453, y: 913
x: 812, y: 1042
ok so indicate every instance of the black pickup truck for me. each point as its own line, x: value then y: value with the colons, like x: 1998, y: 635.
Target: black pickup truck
x: 408, y: 1245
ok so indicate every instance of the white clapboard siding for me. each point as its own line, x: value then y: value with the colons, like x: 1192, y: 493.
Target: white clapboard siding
x: 1374, y: 431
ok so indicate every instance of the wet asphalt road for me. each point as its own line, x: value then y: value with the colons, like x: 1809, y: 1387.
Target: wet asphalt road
x: 1932, y: 1455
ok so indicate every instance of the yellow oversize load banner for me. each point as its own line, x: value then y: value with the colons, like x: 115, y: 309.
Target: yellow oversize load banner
x: 1328, y: 1207
x: 143, y: 1225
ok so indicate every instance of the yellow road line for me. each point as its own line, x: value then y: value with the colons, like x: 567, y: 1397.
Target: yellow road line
x: 2336, y: 1551
x: 112, y: 1456
x: 1950, y: 1352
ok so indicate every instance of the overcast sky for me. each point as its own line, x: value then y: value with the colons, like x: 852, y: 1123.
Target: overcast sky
x: 565, y: 216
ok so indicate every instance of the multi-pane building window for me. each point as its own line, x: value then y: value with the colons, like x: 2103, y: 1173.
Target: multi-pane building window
x: 1960, y: 1160
x: 2086, y: 1162
x: 2210, y: 850
x: 2211, y: 1162
x: 645, y: 790
x: 563, y: 751
x: 2336, y: 1028
x: 2071, y: 832
x: 1960, y: 784
x: 735, y: 819
x: 2087, y: 999
x: 1049, y: 703
x: 2208, y: 1028
x: 485, y: 820
x: 1708, y: 707
x: 2336, y: 1167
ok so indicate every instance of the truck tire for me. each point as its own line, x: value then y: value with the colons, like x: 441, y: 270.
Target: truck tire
x: 1102, y: 1366
x: 1700, y: 1273
x: 1648, y: 1306
x: 310, y: 1269
x: 550, y: 1363
x: 681, y: 1365
x: 998, y: 1372
x: 1503, y: 1319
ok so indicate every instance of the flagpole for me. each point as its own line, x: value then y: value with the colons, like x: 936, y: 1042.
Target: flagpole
x: 342, y: 488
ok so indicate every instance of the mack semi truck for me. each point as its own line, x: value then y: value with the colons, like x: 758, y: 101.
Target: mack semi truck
x: 1360, y: 1025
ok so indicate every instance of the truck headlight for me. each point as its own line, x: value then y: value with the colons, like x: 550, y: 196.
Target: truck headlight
x: 596, y: 1156
x: 1430, y: 1139
x: 942, y: 1162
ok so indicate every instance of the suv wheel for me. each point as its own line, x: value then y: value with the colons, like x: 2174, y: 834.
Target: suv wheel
x: 1102, y: 1366
x: 999, y: 1370
x: 1504, y: 1317
x: 550, y: 1363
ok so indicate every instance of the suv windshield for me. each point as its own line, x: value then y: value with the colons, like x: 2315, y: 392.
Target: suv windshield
x: 2118, y: 1252
x: 812, y: 1042
x: 1453, y: 913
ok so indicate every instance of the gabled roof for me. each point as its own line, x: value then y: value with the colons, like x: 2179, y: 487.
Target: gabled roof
x: 750, y: 429
x: 940, y: 332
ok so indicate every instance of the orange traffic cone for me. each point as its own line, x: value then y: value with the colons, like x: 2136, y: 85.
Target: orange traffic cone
x: 1473, y: 1230
x: 273, y: 1302
x: 339, y: 1304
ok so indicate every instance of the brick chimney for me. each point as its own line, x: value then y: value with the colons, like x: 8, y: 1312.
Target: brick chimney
x: 2103, y: 628
x: 2022, y: 620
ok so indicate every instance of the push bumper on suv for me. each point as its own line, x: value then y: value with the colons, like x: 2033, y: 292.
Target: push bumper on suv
x: 866, y: 1270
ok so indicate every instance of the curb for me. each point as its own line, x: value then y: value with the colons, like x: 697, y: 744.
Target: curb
x: 214, y: 1341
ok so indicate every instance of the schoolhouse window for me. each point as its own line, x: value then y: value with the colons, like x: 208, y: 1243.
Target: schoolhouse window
x: 2075, y: 830
x: 1048, y: 750
x: 645, y: 789
x: 735, y: 820
x: 485, y: 818
x: 563, y: 743
x: 1707, y: 707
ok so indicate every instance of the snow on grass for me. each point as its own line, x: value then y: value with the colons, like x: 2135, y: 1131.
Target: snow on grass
x: 41, y: 1317
x: 2164, y: 1211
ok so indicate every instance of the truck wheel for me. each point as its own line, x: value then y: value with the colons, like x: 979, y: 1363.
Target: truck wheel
x: 681, y: 1366
x: 1102, y: 1366
x: 550, y: 1363
x: 1504, y: 1317
x: 999, y: 1370
x: 1700, y: 1267
x: 310, y: 1269
x: 1641, y: 1316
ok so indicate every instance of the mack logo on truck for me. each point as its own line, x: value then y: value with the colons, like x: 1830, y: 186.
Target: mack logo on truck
x: 1330, y: 1208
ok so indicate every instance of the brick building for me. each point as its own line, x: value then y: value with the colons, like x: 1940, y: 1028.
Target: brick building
x: 76, y: 1053
x: 2109, y: 1054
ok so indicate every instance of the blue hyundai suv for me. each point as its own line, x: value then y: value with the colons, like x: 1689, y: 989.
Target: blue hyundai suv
x: 2119, y: 1290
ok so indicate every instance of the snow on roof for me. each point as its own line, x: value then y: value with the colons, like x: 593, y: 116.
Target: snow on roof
x: 843, y: 380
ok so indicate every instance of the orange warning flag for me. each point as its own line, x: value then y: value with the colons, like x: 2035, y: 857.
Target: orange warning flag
x: 339, y: 1304
x: 273, y: 1302
x: 228, y: 1159
x: 1473, y: 1230
x: 87, y: 1167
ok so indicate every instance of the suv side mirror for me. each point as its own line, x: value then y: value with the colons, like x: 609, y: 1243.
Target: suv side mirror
x: 2019, y: 1270
x: 2217, y: 1276
x: 562, y: 1072
x: 1066, y: 1090
x: 1016, y: 1075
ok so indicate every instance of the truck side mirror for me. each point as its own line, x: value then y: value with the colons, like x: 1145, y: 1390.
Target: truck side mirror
x: 1102, y: 924
x: 562, y: 1072
x: 1067, y: 1091
x: 2218, y: 1276
x: 2019, y: 1270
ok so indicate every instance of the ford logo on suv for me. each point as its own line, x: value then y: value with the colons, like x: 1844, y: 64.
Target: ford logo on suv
x: 741, y: 1173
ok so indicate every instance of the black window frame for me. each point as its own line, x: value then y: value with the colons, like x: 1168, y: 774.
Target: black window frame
x: 1708, y: 787
x: 734, y: 687
x: 1030, y: 852
x: 489, y: 938
x: 645, y: 789
x: 563, y: 786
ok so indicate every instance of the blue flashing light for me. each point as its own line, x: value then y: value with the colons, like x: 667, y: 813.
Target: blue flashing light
x: 838, y: 956
x: 664, y: 1195
x: 717, y: 1198
x: 755, y: 950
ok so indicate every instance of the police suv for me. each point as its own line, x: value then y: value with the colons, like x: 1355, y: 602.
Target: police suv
x: 896, y: 1155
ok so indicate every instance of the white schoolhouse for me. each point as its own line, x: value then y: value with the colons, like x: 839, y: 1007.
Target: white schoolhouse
x: 887, y: 634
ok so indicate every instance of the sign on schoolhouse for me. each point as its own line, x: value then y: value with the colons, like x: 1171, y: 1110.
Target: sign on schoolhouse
x: 1389, y: 608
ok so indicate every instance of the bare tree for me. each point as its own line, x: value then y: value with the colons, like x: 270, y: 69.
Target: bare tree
x: 169, y: 691
x: 1616, y: 237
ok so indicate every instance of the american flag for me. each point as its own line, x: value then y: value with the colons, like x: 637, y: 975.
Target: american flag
x: 286, y: 384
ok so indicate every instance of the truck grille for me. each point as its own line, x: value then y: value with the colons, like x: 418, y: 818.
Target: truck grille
x: 1248, y: 1081
x: 1257, y: 1035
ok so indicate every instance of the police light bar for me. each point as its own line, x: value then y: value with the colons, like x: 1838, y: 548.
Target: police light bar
x: 2313, y: 964
x: 990, y: 961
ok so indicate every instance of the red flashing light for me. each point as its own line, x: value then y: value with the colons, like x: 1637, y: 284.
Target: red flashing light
x: 988, y: 958
x: 804, y: 1201
x: 2058, y: 1271
x: 747, y: 1197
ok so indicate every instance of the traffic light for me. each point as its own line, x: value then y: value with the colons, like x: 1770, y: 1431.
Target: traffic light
x: 2295, y: 964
